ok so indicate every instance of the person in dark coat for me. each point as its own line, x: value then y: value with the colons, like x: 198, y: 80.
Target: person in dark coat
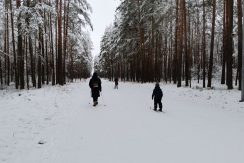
x: 157, y: 96
x: 116, y: 82
x: 96, y: 88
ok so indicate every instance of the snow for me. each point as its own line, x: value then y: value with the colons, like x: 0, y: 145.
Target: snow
x: 60, y: 125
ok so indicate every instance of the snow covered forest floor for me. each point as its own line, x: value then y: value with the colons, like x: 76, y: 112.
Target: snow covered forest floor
x: 60, y: 125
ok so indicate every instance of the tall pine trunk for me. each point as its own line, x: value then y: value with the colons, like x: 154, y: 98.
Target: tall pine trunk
x: 39, y: 64
x: 52, y: 51
x: 204, y: 45
x: 229, y: 44
x: 20, y: 60
x: 14, y: 49
x: 26, y: 63
x: 240, y: 39
x: 60, y: 54
x: 32, y: 58
x: 187, y: 73
x: 223, y: 76
x: 210, y: 70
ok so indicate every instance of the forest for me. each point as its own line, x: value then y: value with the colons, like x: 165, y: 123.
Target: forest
x: 174, y: 41
x: 44, y: 42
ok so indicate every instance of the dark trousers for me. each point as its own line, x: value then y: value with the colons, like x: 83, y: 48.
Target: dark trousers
x: 156, y: 103
x: 95, y: 99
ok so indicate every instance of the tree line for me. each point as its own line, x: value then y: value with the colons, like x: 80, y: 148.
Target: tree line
x: 174, y: 40
x: 44, y: 42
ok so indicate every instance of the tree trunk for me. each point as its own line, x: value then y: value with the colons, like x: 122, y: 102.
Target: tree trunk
x: 187, y: 73
x: 52, y: 52
x: 7, y: 59
x: 32, y: 60
x: 39, y: 69
x: 46, y: 48
x: 240, y: 39
x: 20, y: 60
x: 229, y: 44
x: 210, y: 70
x: 204, y: 45
x: 223, y: 48
x: 14, y: 50
x: 26, y: 64
x: 60, y: 55
x: 175, y: 70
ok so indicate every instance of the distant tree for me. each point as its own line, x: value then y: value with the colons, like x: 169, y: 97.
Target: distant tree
x: 210, y: 68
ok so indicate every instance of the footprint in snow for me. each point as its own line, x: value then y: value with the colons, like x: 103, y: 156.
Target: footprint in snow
x: 41, y: 142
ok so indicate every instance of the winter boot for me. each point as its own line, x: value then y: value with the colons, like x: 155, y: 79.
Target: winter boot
x: 160, y: 107
x: 95, y: 103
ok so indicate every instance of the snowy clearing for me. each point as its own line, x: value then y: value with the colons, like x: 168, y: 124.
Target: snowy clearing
x: 60, y: 125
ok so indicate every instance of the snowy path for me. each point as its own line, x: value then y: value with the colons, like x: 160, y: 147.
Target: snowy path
x: 58, y: 125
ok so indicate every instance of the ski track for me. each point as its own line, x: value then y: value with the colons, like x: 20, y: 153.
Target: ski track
x: 60, y: 125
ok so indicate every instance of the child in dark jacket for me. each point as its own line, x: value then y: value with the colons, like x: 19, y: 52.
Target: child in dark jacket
x: 157, y: 96
x: 116, y: 82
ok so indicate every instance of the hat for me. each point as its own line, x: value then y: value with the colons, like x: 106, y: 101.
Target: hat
x: 95, y: 74
x: 157, y: 84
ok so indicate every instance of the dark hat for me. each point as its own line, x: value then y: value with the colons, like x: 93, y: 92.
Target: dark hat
x: 157, y: 84
x: 95, y: 74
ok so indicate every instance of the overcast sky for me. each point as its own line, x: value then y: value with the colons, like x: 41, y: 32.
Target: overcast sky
x: 102, y: 16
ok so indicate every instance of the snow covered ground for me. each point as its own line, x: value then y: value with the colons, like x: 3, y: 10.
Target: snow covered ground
x: 59, y: 125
